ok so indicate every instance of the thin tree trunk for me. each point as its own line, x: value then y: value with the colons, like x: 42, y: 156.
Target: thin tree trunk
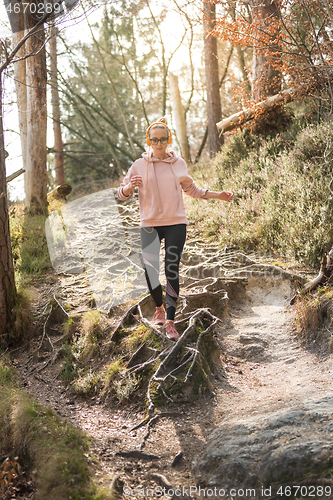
x: 20, y: 85
x: 242, y: 65
x: 59, y: 161
x: 266, y: 75
x: 35, y: 177
x: 214, y: 111
x: 204, y: 139
x: 202, y: 145
x: 7, y: 282
x: 240, y: 53
x: 179, y: 115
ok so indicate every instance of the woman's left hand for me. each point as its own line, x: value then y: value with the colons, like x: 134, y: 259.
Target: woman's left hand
x: 225, y: 196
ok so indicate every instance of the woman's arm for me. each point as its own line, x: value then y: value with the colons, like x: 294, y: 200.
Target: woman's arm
x: 122, y: 192
x: 128, y: 185
x: 190, y: 188
x: 219, y: 195
x: 127, y: 190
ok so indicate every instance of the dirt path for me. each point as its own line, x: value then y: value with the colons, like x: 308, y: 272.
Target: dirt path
x: 265, y: 368
x: 279, y: 370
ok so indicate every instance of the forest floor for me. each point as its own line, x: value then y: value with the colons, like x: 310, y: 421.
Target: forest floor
x: 265, y: 366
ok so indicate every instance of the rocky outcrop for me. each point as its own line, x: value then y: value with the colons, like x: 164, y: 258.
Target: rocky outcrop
x: 270, y: 450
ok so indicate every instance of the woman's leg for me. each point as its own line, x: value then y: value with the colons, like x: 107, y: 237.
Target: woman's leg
x: 175, y: 237
x: 150, y: 246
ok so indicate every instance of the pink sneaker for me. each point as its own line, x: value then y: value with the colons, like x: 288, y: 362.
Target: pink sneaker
x: 159, y: 316
x: 171, y: 331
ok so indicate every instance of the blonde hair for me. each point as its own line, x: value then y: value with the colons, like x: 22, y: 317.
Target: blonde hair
x: 161, y: 121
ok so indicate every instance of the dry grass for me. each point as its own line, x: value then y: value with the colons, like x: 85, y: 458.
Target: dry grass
x: 307, y: 316
x: 314, y: 316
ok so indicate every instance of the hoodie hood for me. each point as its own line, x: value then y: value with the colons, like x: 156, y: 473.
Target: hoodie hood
x: 171, y: 158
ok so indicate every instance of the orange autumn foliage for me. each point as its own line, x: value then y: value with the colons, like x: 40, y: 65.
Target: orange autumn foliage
x: 295, y: 42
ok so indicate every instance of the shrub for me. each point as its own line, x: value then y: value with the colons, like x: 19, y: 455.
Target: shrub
x: 281, y: 199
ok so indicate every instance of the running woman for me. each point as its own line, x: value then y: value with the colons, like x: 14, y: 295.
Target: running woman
x: 161, y: 177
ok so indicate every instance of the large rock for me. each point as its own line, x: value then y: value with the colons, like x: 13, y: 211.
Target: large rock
x: 271, y: 449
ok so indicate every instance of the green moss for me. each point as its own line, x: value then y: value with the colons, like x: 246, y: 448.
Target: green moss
x: 69, y: 326
x: 112, y: 371
x: 155, y: 394
x: 87, y: 383
x: 69, y: 368
x: 29, y: 246
x: 198, y: 329
x: 126, y: 386
x: 199, y: 380
x: 92, y: 324
x: 141, y: 334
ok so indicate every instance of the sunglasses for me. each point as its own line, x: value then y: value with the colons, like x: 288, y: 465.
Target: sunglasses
x: 162, y: 140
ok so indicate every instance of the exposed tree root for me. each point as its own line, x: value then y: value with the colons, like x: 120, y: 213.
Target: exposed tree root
x: 130, y: 315
x: 137, y: 454
x: 45, y: 335
x: 177, y: 459
x: 53, y: 309
x: 324, y: 276
x: 170, y: 489
x: 174, y: 365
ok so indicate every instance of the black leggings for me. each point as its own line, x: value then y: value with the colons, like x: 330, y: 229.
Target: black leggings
x: 150, y: 244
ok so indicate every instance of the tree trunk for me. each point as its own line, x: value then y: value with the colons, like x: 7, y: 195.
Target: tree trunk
x: 242, y: 65
x: 266, y: 73
x: 58, y: 144
x: 35, y: 177
x: 7, y: 282
x: 240, y: 53
x: 268, y: 104
x: 214, y: 112
x: 20, y: 85
x: 179, y: 116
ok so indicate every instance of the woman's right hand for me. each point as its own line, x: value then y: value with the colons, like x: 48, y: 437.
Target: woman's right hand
x: 136, y: 180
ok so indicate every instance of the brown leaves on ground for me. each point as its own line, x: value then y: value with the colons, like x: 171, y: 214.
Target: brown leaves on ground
x: 13, y: 481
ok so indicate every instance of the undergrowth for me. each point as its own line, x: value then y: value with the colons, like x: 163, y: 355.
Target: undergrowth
x: 86, y: 374
x: 79, y: 352
x: 314, y: 316
x: 31, y: 261
x: 43, y: 441
x: 117, y: 368
x: 281, y: 199
x: 29, y: 247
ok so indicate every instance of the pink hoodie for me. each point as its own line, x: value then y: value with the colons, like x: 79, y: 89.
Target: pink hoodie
x: 166, y: 179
